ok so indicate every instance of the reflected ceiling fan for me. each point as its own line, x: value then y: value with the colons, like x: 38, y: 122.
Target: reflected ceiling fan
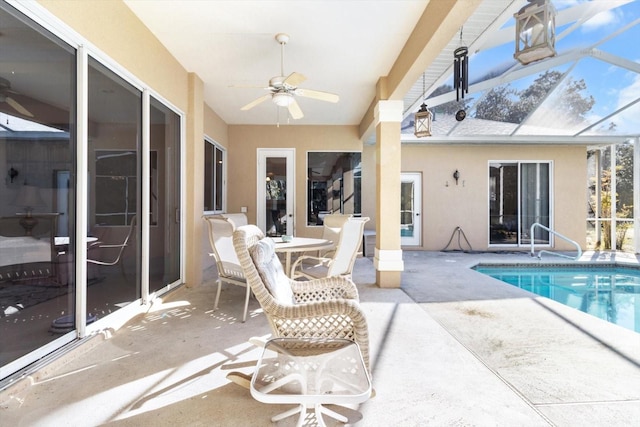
x: 283, y: 90
x: 5, y: 96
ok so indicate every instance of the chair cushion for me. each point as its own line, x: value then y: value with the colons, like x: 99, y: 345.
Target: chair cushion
x: 271, y: 272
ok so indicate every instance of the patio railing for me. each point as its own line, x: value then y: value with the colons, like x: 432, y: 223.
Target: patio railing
x: 555, y: 233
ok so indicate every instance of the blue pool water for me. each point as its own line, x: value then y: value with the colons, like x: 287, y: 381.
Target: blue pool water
x: 610, y: 293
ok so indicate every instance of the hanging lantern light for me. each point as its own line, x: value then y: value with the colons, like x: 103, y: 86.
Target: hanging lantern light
x: 535, y: 31
x: 423, y: 117
x: 423, y: 122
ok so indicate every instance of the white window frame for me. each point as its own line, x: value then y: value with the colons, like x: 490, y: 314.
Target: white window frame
x: 215, y: 145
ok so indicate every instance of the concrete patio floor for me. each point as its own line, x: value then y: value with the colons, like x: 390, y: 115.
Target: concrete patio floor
x: 452, y: 347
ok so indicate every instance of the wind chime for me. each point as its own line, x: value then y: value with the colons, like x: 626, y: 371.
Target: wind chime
x: 461, y: 71
x: 461, y: 75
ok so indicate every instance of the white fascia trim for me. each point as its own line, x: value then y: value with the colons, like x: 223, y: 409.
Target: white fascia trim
x: 388, y: 111
x: 388, y: 260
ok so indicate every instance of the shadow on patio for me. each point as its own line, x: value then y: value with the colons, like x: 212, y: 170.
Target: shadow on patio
x: 452, y: 347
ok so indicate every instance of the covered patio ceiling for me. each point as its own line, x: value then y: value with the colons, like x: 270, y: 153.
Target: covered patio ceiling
x: 587, y: 93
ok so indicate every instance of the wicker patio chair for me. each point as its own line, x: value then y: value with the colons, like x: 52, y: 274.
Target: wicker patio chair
x: 322, y: 308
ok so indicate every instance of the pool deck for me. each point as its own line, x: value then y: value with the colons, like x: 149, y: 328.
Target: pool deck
x: 451, y: 347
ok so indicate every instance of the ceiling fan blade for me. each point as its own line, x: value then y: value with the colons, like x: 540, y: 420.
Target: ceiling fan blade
x: 256, y: 102
x: 248, y: 87
x: 18, y: 107
x: 293, y: 80
x: 295, y: 111
x: 316, y: 94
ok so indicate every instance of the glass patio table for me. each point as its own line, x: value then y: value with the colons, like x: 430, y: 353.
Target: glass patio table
x: 311, y: 373
x: 299, y: 244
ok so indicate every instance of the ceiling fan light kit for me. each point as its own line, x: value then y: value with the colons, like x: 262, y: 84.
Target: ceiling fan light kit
x: 283, y: 90
x: 282, y: 99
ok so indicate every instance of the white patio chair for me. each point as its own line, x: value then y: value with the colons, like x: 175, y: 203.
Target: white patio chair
x: 343, y: 258
x: 332, y: 225
x: 229, y: 269
x: 237, y: 219
x: 321, y: 308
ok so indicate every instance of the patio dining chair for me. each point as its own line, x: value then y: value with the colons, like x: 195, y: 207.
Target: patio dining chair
x: 341, y: 261
x: 331, y: 226
x: 322, y: 308
x: 237, y: 219
x: 229, y: 270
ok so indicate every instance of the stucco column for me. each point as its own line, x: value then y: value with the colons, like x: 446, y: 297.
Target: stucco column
x: 388, y: 255
x: 194, y: 177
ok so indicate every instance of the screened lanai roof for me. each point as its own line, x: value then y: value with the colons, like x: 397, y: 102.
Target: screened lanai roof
x: 587, y: 93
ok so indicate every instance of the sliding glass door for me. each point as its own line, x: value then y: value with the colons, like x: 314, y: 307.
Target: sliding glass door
x: 68, y: 183
x: 115, y: 167
x: 164, y: 197
x: 534, y: 202
x: 37, y: 213
x: 519, y: 196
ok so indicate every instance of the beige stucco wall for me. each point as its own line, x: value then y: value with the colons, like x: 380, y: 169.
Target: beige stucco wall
x: 215, y: 128
x: 116, y: 31
x: 241, y: 173
x: 446, y: 205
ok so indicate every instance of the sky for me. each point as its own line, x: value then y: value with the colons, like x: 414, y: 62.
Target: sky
x: 611, y: 85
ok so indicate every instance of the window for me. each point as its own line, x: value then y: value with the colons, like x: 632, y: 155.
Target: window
x: 518, y: 197
x: 334, y: 184
x: 214, y: 162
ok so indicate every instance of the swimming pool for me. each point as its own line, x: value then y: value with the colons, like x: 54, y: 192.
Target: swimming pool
x: 611, y: 293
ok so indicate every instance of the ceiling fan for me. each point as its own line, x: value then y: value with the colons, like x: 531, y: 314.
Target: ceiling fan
x: 283, y: 90
x: 5, y: 92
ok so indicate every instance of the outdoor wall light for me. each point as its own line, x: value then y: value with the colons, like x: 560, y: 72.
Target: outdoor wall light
x: 456, y: 176
x: 535, y: 31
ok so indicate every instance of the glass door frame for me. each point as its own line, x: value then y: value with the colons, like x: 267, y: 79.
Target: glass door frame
x: 416, y: 179
x: 521, y: 240
x: 261, y: 194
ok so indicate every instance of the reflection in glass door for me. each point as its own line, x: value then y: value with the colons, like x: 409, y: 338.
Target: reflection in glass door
x: 113, y: 276
x: 410, y: 209
x: 275, y: 191
x: 518, y: 197
x: 164, y: 197
x: 37, y: 213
